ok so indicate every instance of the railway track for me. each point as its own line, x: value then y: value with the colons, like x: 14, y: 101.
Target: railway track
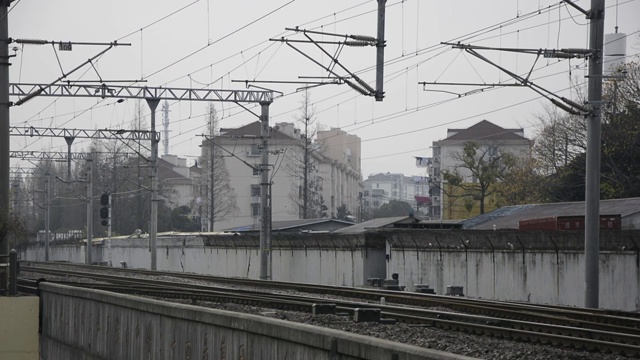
x: 569, y: 327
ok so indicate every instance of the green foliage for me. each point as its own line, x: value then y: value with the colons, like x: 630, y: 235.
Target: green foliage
x: 12, y: 229
x: 393, y: 208
x: 620, y: 152
x: 342, y: 213
x: 488, y: 164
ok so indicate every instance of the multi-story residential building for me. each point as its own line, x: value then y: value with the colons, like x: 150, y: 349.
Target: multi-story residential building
x: 173, y: 172
x: 341, y: 166
x: 446, y: 156
x: 332, y: 177
x: 384, y: 187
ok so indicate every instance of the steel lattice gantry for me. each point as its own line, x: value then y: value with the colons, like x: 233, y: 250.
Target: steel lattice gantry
x: 153, y: 95
x: 28, y: 91
x: 134, y: 135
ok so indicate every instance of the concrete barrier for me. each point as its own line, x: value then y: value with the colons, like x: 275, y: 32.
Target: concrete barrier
x: 92, y: 324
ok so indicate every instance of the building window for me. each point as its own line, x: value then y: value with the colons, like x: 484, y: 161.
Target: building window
x: 255, y: 190
x: 256, y: 171
x: 377, y: 185
x: 255, y: 210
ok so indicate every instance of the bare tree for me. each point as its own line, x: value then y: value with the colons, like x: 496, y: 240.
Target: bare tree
x: 561, y: 137
x: 303, y: 165
x: 217, y: 197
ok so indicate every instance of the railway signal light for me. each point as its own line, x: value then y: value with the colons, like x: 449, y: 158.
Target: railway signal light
x: 104, y: 210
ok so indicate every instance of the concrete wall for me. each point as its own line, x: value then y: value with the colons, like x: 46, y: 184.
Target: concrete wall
x: 312, y: 258
x: 19, y: 329
x: 536, y: 266
x: 90, y: 324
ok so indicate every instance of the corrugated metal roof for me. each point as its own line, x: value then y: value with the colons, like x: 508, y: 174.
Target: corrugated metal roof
x: 371, y: 224
x: 508, y: 217
x: 287, y: 224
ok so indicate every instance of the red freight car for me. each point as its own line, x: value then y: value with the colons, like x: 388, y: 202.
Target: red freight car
x: 560, y: 223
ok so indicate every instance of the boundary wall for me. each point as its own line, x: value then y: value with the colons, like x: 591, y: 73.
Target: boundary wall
x: 536, y: 266
x: 93, y: 324
x: 545, y: 267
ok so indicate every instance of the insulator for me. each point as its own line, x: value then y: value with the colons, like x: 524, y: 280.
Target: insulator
x: 560, y: 55
x: 578, y: 51
x: 31, y: 41
x: 364, y: 85
x: 564, y: 107
x: 356, y: 43
x: 575, y: 104
x: 363, y: 37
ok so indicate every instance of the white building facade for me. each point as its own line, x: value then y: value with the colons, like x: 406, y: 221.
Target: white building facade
x: 332, y: 175
x: 446, y: 154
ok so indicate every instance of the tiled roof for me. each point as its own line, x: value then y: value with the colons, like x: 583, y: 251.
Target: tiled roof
x: 254, y: 129
x: 165, y: 171
x: 485, y: 130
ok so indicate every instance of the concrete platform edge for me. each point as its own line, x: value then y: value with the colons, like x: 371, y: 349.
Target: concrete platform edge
x: 317, y: 337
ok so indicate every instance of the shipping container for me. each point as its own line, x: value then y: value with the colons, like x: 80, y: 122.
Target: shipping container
x: 561, y: 223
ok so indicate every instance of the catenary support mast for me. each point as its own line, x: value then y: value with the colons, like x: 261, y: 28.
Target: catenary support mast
x: 592, y: 190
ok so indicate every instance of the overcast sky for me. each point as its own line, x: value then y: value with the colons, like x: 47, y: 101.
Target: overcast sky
x: 209, y: 43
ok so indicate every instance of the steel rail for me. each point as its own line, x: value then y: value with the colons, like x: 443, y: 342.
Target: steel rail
x: 578, y: 317
x: 578, y: 337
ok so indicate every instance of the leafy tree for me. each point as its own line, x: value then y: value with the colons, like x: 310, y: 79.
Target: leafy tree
x: 522, y: 184
x: 393, y: 208
x: 342, y: 213
x: 620, y: 156
x: 487, y: 163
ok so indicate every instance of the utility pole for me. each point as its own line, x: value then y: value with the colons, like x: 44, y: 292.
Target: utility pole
x: 380, y: 44
x: 4, y: 123
x: 594, y: 124
x: 153, y: 228
x: 69, y: 140
x: 265, y: 239
x: 47, y: 216
x: 89, y: 248
x: 212, y: 187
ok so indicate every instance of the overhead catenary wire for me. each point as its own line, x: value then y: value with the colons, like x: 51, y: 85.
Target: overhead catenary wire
x: 416, y: 65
